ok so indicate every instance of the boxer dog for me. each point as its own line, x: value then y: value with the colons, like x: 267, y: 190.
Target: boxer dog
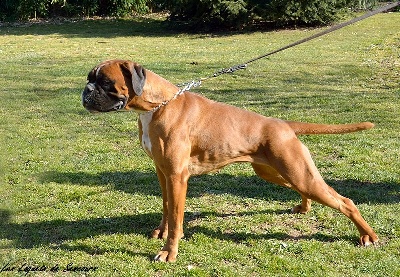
x: 187, y: 134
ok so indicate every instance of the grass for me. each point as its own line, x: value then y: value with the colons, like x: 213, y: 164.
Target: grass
x: 77, y: 191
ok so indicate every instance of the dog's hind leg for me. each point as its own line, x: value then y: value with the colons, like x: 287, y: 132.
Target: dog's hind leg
x: 293, y: 162
x: 319, y: 191
x: 269, y: 174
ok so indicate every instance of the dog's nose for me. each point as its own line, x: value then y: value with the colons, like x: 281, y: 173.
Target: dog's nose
x: 87, y: 94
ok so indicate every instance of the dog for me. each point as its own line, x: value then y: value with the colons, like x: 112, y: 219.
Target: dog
x: 187, y: 134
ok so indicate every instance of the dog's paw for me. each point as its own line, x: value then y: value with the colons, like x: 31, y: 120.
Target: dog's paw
x: 367, y: 240
x: 165, y: 256
x: 159, y: 233
x: 299, y: 210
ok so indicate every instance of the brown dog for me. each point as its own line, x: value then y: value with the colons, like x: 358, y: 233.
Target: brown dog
x: 186, y: 134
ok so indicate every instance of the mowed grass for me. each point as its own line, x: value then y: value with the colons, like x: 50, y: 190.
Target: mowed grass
x: 77, y: 191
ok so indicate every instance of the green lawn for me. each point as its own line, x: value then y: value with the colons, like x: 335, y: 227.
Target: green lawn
x: 77, y: 190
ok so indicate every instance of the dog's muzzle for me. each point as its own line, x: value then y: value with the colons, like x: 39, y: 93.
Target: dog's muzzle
x: 96, y: 99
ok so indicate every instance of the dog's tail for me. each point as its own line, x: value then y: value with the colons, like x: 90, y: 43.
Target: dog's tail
x: 301, y: 128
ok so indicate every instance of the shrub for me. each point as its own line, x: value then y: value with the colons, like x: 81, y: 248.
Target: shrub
x: 120, y: 8
x: 8, y: 10
x: 303, y: 12
x: 210, y: 14
x: 27, y: 9
x: 199, y: 14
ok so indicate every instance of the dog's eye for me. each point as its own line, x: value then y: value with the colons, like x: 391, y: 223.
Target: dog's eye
x: 106, y: 84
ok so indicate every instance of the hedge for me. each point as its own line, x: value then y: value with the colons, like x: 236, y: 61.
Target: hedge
x: 28, y: 9
x: 196, y: 14
x: 239, y: 13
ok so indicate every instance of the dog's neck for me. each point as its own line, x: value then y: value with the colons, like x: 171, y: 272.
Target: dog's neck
x: 154, y: 94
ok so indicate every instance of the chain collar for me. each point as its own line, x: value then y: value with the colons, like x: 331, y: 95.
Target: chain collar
x: 187, y: 86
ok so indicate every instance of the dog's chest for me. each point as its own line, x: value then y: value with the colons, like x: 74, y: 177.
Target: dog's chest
x: 145, y: 120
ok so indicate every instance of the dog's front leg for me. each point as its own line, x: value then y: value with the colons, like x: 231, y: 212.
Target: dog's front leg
x: 176, y: 188
x: 161, y: 232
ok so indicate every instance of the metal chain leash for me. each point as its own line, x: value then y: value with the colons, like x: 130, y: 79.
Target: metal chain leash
x: 196, y: 83
x: 232, y: 69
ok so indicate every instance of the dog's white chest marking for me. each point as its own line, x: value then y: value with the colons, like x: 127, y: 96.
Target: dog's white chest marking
x: 145, y: 119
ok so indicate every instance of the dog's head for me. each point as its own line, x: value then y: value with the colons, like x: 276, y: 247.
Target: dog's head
x: 112, y: 84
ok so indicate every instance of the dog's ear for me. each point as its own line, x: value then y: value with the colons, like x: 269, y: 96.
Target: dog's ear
x: 138, y: 78
x: 137, y: 75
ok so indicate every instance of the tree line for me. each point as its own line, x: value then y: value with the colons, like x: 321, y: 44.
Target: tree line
x: 199, y: 14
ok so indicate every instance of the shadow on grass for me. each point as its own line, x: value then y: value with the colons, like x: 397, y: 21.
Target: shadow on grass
x: 54, y: 233
x: 110, y: 28
x: 222, y: 183
x: 240, y: 237
x: 99, y: 28
x: 30, y: 234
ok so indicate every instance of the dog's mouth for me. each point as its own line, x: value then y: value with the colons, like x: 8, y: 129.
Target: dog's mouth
x: 96, y: 99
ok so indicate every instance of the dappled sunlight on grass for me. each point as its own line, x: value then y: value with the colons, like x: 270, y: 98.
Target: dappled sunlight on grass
x: 77, y: 187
